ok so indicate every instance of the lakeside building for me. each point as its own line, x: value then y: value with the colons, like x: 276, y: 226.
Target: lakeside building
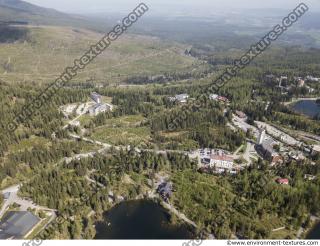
x: 310, y: 90
x: 165, y: 190
x: 310, y: 177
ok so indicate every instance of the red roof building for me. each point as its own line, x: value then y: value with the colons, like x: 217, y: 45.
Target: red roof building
x: 223, y: 99
x: 283, y: 181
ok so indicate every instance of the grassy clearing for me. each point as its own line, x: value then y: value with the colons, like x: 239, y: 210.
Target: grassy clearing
x: 123, y: 135
x: 123, y: 131
x: 30, y: 143
x: 125, y: 121
x: 106, y: 99
x: 282, y: 234
x: 177, y: 140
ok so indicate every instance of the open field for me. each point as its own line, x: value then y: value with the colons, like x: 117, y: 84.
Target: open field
x: 123, y: 131
x: 30, y: 143
x: 123, y: 135
x: 125, y: 121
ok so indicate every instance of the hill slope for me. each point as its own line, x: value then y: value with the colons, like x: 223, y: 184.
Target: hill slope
x: 20, y: 11
x: 49, y: 50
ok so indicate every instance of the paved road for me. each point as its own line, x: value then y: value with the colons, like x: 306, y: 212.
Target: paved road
x: 12, y: 190
x: 250, y: 152
x: 109, y: 146
x: 242, y: 124
x: 14, y: 198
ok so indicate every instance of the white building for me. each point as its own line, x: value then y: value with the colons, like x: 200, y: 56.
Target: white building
x: 75, y: 123
x: 214, y: 97
x: 100, y: 108
x: 315, y: 149
x: 262, y: 136
x: 221, y: 162
x: 282, y: 79
x: 182, y: 98
x: 218, y: 159
x: 96, y: 97
x: 312, y: 79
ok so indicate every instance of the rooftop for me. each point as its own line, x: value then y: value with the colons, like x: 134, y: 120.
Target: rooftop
x: 221, y: 158
x: 17, y: 224
x: 316, y: 148
x: 268, y: 144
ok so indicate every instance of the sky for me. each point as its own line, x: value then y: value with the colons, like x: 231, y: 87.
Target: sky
x: 92, y: 6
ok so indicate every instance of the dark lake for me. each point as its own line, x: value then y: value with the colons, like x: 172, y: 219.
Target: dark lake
x: 307, y: 107
x: 140, y: 220
x: 314, y: 233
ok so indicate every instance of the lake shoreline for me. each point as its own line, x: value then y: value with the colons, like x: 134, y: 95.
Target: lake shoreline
x: 141, y: 219
x: 295, y: 100
x: 315, y: 228
x: 309, y: 108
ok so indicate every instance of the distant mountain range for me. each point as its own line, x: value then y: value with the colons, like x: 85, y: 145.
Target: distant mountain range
x: 23, y: 12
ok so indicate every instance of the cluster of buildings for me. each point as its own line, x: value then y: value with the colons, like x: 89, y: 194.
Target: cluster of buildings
x: 297, y: 82
x: 312, y: 79
x: 300, y: 82
x: 270, y: 150
x: 311, y: 149
x: 98, y: 107
x: 218, y: 161
x: 296, y: 155
x: 218, y: 98
x: 181, y: 98
x: 267, y: 147
x: 309, y: 177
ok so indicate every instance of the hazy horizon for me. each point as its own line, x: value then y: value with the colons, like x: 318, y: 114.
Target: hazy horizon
x: 167, y: 6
